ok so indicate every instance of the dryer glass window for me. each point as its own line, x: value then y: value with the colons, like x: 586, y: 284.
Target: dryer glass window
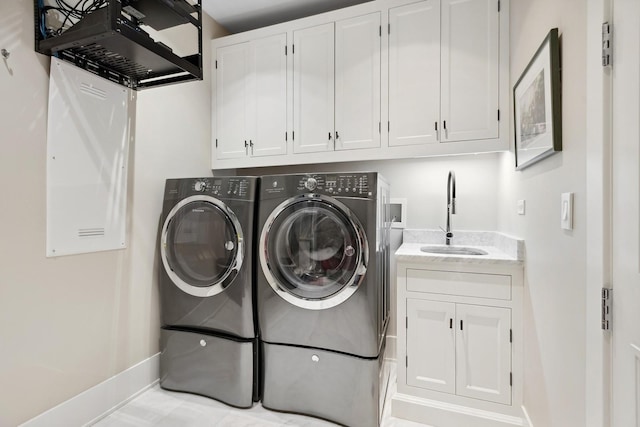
x: 201, y: 244
x: 315, y: 250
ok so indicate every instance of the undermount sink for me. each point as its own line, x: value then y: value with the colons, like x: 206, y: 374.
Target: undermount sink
x: 452, y: 250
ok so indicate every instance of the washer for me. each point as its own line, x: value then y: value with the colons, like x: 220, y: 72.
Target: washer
x: 323, y: 292
x: 206, y: 271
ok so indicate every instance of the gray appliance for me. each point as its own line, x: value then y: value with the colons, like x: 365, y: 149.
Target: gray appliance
x: 209, y: 335
x: 323, y: 294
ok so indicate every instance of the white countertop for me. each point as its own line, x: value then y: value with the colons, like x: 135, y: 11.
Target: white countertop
x: 500, y: 248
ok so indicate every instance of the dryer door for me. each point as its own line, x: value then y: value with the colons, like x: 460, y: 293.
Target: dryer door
x: 202, y: 245
x: 313, y: 252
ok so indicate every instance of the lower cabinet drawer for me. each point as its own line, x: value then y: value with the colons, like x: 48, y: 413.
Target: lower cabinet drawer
x: 479, y: 285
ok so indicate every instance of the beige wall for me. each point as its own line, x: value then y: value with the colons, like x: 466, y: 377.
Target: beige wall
x: 554, y: 309
x: 68, y: 323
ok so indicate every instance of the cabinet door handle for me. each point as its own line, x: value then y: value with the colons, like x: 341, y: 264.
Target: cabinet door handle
x: 444, y: 124
x: 337, y: 135
x: 450, y: 323
x: 251, y: 145
x: 461, y: 326
x: 435, y: 126
x: 246, y: 147
x: 329, y: 136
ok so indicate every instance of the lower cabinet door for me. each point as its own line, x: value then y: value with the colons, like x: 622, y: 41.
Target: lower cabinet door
x: 431, y: 345
x: 483, y: 353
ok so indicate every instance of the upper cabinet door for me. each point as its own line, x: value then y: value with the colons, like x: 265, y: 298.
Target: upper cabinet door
x: 414, y: 73
x: 357, y: 108
x: 470, y: 63
x: 232, y: 96
x: 483, y: 352
x: 268, y: 103
x: 313, y: 89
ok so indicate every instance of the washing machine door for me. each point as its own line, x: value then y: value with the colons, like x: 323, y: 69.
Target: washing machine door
x: 313, y: 252
x: 202, y: 245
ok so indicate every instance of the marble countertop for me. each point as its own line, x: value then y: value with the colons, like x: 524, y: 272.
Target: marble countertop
x: 500, y: 248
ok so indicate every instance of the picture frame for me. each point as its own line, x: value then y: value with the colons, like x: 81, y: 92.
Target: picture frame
x: 538, y: 105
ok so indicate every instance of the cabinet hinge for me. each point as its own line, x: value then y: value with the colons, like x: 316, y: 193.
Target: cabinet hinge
x: 607, y: 309
x: 511, y: 379
x: 216, y: 142
x: 216, y: 64
x: 606, y: 44
x: 498, y: 114
x: 510, y: 335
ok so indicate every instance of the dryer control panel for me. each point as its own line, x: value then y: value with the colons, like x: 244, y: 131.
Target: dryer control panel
x: 356, y: 184
x: 238, y: 188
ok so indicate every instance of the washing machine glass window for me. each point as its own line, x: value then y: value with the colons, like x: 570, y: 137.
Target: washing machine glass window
x: 201, y: 246
x: 315, y: 253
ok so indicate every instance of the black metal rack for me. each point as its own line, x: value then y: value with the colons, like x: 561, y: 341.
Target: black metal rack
x: 111, y: 43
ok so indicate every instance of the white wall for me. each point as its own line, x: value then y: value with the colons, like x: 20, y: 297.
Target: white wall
x: 68, y: 323
x: 554, y: 309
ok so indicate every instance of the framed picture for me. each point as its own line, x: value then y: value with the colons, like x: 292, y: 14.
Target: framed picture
x: 537, y: 105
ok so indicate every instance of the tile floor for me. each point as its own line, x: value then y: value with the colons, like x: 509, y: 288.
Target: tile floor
x: 161, y: 408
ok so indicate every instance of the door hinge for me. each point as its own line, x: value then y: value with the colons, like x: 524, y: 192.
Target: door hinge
x: 607, y: 44
x: 607, y: 312
x: 511, y: 379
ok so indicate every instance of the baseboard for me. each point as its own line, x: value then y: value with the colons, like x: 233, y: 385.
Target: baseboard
x: 442, y: 414
x: 390, y: 353
x: 88, y: 407
x: 525, y: 414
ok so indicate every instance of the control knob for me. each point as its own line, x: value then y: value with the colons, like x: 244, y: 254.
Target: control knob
x: 311, y: 184
x: 200, y: 186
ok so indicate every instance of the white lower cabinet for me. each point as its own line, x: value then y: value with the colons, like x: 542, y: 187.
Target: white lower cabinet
x: 459, y: 344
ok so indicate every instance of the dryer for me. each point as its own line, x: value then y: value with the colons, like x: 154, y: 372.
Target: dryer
x: 209, y: 333
x: 323, y: 294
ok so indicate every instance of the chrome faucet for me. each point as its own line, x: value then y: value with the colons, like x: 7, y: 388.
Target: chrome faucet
x: 451, y: 205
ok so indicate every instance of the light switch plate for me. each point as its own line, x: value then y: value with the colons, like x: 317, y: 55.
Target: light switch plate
x: 566, y: 211
x: 521, y: 204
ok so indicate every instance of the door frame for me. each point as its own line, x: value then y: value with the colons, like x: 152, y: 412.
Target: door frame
x: 598, y: 369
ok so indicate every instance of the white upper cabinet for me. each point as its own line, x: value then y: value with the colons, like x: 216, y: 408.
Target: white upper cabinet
x: 385, y: 79
x: 414, y: 73
x: 251, y: 98
x: 336, y: 85
x: 357, y: 82
x: 443, y: 71
x: 313, y: 93
x: 470, y: 64
x: 232, y: 100
x: 268, y: 105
